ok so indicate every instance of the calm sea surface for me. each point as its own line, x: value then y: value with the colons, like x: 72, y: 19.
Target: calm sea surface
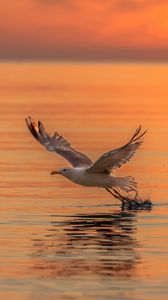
x: 62, y: 241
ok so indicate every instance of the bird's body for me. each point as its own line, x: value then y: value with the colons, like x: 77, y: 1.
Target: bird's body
x: 81, y: 176
x: 85, y: 172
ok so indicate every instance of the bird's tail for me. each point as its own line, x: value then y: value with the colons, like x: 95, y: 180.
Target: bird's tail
x: 127, y: 184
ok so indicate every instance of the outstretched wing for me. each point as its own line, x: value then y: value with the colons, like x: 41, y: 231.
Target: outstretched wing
x: 56, y: 143
x: 117, y: 157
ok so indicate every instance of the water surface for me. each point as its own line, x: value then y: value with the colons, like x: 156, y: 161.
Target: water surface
x: 62, y: 241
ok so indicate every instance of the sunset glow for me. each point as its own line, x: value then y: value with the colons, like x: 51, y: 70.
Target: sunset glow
x: 74, y: 29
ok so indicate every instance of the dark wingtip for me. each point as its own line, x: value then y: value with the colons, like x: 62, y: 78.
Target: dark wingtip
x: 27, y: 120
x: 141, y: 135
x: 137, y: 135
x: 31, y: 127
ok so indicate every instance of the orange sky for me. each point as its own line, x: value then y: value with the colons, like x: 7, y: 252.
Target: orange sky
x: 89, y: 29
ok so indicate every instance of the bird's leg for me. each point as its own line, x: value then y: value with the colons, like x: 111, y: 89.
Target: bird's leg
x: 123, y: 198
x: 108, y: 190
x: 116, y: 195
x: 136, y: 195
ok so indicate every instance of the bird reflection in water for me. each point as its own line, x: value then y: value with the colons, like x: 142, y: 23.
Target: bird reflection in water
x: 88, y: 244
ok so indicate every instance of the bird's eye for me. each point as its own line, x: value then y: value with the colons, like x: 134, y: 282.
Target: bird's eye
x: 64, y: 170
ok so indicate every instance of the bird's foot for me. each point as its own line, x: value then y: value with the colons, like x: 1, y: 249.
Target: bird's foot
x: 131, y: 202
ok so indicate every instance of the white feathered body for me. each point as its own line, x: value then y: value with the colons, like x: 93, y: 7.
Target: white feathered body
x: 82, y: 177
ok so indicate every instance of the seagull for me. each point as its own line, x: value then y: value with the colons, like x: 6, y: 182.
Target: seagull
x: 84, y: 171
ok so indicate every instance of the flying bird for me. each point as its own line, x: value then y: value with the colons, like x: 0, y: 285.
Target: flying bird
x: 84, y: 171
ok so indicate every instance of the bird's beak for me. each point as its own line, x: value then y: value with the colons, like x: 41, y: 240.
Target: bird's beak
x: 54, y: 172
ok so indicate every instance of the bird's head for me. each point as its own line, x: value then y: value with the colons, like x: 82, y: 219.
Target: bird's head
x: 66, y: 172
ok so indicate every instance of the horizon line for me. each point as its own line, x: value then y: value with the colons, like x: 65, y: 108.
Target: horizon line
x: 77, y: 60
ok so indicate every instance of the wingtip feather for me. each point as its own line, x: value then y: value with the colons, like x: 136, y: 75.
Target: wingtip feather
x: 31, y: 126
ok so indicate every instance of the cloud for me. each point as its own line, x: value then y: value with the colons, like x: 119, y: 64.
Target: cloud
x: 128, y: 5
x: 133, y: 5
x: 61, y: 3
x: 55, y: 2
x: 115, y: 5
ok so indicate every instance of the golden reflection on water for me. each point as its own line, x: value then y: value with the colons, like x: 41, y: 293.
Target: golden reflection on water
x: 60, y: 240
x: 95, y: 244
